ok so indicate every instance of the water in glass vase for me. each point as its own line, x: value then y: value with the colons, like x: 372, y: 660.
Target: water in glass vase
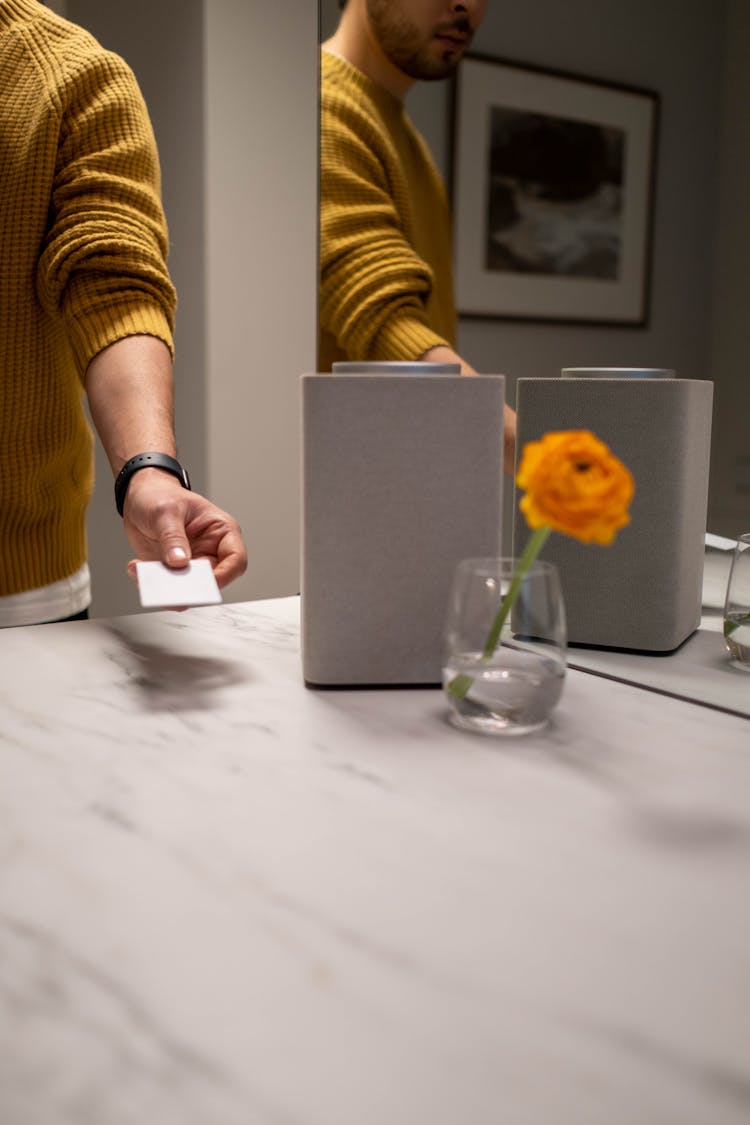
x: 737, y: 637
x: 514, y: 692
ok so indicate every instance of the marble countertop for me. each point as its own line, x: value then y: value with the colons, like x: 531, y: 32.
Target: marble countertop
x: 226, y: 899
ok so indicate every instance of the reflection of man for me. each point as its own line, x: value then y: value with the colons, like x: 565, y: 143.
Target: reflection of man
x: 386, y: 288
x: 85, y: 302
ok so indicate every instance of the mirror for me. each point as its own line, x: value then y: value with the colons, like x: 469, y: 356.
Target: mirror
x: 700, y: 250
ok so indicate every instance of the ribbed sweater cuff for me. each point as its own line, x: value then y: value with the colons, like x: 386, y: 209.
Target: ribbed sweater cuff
x: 404, y: 338
x: 90, y: 336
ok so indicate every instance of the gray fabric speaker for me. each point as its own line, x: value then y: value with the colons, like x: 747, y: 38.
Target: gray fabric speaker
x: 644, y: 591
x: 402, y: 478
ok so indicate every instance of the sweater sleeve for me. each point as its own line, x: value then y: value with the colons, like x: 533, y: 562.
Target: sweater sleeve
x: 373, y: 286
x: 103, y: 265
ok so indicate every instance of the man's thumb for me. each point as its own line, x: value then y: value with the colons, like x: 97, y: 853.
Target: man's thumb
x: 174, y: 549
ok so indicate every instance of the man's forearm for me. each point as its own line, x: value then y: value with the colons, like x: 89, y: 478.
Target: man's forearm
x: 130, y: 390
x: 131, y: 395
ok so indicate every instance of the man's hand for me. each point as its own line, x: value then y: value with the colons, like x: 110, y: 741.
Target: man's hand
x: 165, y: 522
x: 129, y: 385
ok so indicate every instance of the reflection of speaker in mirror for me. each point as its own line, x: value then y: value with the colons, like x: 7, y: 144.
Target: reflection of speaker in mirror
x: 643, y: 592
x: 618, y: 373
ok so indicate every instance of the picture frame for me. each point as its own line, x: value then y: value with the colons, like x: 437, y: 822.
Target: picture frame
x: 553, y: 185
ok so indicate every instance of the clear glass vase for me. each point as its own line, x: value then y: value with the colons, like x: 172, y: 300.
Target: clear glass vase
x: 737, y: 606
x: 504, y: 646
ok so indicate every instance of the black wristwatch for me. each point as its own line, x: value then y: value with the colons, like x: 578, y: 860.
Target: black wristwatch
x: 147, y: 461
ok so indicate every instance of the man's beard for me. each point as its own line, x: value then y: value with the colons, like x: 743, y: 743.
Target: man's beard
x: 402, y: 43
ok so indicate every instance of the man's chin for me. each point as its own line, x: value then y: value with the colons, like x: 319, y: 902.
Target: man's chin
x: 432, y: 77
x: 433, y: 70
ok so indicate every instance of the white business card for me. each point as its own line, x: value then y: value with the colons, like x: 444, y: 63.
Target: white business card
x: 164, y: 586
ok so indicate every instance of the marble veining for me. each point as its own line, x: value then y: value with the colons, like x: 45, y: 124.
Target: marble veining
x: 226, y: 898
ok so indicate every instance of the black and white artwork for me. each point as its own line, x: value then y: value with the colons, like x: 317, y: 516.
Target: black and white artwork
x: 552, y: 195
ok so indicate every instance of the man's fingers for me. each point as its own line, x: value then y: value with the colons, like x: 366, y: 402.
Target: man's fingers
x: 232, y: 558
x: 184, y: 526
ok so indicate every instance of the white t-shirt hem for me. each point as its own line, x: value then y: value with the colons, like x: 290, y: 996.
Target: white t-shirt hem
x: 47, y: 603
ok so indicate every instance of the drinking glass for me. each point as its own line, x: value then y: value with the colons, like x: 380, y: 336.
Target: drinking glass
x: 737, y: 605
x: 503, y: 665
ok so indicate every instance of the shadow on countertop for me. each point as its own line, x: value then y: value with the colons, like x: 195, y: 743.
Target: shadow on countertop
x: 169, y: 680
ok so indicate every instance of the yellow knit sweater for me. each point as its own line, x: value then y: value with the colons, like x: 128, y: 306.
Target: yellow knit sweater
x: 386, y: 287
x: 82, y: 263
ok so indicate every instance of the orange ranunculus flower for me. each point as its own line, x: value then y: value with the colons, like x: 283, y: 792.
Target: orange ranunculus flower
x: 574, y: 484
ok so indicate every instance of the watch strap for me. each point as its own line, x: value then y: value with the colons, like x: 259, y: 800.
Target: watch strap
x: 147, y: 461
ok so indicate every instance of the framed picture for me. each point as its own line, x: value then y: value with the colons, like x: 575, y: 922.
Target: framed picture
x: 553, y: 185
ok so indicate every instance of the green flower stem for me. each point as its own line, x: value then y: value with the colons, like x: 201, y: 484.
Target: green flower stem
x: 460, y: 685
x: 533, y: 547
x: 730, y: 626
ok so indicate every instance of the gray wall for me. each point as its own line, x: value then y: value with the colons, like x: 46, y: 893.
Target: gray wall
x: 693, y: 53
x: 228, y: 84
x: 169, y: 65
x: 261, y: 176
x: 680, y: 57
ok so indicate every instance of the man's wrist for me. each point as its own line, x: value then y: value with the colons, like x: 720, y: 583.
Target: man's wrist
x: 151, y: 460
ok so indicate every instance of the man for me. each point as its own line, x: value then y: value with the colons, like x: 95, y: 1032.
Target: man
x: 386, y: 289
x: 86, y: 303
